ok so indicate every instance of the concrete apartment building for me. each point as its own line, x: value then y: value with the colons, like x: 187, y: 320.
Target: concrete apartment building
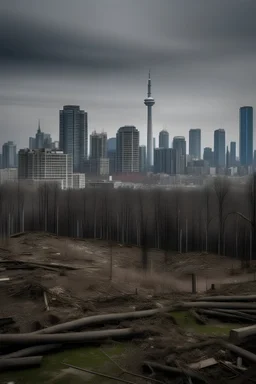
x: 46, y: 165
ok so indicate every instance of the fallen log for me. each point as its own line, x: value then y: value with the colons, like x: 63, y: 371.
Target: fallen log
x: 236, y: 312
x: 23, y: 362
x: 31, y: 264
x: 237, y: 335
x: 174, y: 371
x: 19, y: 234
x: 221, y: 298
x: 239, y: 351
x: 32, y: 351
x: 99, y: 319
x: 205, y: 304
x: 74, y: 337
x: 232, y: 317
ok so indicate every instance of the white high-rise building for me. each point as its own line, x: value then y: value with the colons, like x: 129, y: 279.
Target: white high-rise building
x: 46, y: 165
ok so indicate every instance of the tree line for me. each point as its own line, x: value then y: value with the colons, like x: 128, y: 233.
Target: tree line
x: 219, y: 217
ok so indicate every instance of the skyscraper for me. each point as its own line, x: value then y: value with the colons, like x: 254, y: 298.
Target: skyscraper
x: 39, y: 137
x: 179, y: 145
x: 98, y: 163
x: 232, y: 154
x: 209, y: 156
x: 73, y: 133
x: 149, y: 102
x: 111, y: 153
x: 195, y: 144
x: 163, y: 139
x: 127, y: 149
x: 246, y: 136
x: 98, y: 145
x: 9, y: 155
x: 41, y: 140
x: 219, y: 148
x: 164, y: 160
x: 143, y: 158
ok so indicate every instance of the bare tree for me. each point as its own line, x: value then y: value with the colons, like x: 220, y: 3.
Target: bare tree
x: 221, y: 187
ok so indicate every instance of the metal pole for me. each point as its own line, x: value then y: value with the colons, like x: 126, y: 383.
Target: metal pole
x: 181, y: 241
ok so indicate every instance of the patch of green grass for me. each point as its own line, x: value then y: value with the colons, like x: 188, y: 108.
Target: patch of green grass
x: 186, y: 321
x: 53, y: 371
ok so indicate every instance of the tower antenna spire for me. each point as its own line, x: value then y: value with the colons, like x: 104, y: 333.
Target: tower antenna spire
x: 149, y: 84
x: 39, y: 128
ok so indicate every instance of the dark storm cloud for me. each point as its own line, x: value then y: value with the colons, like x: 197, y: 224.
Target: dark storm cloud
x: 33, y: 44
x: 96, y: 53
x: 177, y: 32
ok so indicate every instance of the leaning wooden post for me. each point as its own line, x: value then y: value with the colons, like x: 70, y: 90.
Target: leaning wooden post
x: 193, y: 283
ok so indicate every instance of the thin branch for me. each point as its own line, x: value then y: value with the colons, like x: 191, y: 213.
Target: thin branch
x: 99, y: 374
x: 130, y: 373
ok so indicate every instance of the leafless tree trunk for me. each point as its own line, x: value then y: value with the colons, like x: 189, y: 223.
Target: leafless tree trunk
x: 221, y: 188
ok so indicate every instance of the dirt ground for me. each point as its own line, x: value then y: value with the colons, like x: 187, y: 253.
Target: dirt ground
x: 78, y: 281
x: 92, y: 287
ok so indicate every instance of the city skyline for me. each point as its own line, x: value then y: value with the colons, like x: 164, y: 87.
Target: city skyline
x: 203, y: 71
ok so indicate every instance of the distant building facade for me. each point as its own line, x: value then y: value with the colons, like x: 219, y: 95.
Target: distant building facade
x: 198, y: 167
x: 232, y: 154
x: 143, y: 158
x: 9, y: 155
x: 73, y: 135
x: 127, y: 149
x: 180, y: 147
x: 111, y: 154
x: 219, y: 148
x: 165, y: 161
x: 209, y: 156
x: 195, y: 144
x: 41, y: 140
x: 8, y: 174
x: 163, y: 139
x: 78, y: 180
x: 246, y: 136
x: 46, y: 165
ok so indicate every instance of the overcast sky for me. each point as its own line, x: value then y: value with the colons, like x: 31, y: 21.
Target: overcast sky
x: 96, y: 53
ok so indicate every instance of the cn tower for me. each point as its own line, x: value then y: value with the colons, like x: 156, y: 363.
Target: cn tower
x: 149, y: 102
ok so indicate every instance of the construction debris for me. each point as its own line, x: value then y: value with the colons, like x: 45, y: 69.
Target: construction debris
x: 58, y: 306
x: 203, y: 364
